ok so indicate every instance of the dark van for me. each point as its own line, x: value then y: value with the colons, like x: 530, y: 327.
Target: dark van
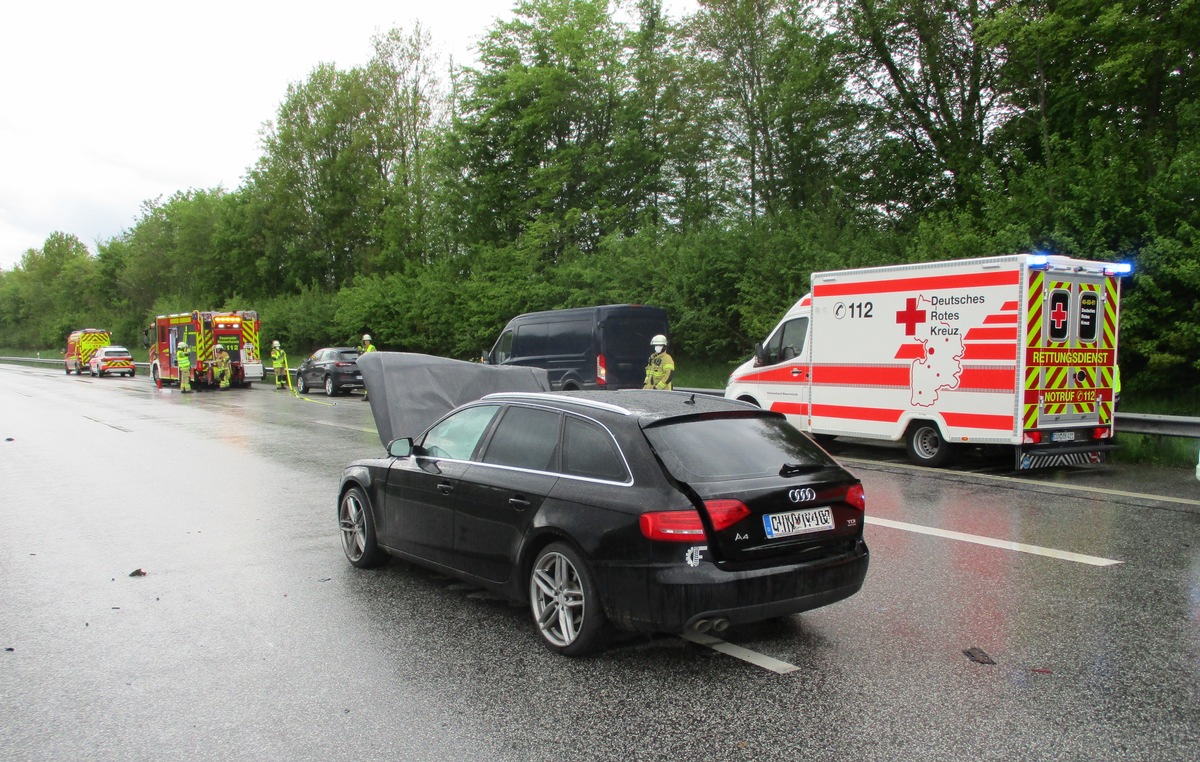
x: 583, y: 348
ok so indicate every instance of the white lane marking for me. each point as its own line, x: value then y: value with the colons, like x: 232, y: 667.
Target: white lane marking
x: 110, y: 425
x: 1065, y: 555
x: 344, y: 426
x: 1026, y: 482
x: 737, y: 652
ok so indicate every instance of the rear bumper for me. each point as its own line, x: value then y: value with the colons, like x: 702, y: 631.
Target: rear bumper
x: 1051, y: 456
x: 674, y: 598
x: 347, y: 381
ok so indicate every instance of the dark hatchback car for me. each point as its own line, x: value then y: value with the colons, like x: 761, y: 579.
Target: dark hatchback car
x: 333, y: 369
x: 645, y: 510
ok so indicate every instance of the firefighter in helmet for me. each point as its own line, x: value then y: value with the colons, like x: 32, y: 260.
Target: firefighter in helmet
x: 363, y: 348
x: 280, y: 362
x: 183, y: 359
x: 660, y: 368
x: 221, y: 367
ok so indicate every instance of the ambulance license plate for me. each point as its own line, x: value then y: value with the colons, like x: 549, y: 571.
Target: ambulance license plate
x: 798, y: 522
x: 1062, y: 436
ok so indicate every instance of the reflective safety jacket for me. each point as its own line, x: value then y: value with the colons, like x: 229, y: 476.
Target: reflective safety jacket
x: 659, y: 370
x: 183, y: 358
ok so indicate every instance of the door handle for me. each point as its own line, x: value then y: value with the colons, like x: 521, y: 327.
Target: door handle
x: 445, y: 488
x: 797, y: 372
x: 518, y: 503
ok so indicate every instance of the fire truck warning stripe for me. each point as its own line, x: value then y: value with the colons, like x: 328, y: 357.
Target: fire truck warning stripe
x: 919, y: 285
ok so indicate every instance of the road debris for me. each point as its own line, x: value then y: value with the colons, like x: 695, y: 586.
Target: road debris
x: 138, y: 573
x: 978, y: 655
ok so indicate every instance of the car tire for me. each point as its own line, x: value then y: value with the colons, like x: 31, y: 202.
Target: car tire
x: 301, y: 387
x: 330, y: 389
x: 926, y: 445
x: 358, y: 530
x: 565, y: 603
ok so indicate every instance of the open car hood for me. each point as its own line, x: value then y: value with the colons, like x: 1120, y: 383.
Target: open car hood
x: 409, y: 392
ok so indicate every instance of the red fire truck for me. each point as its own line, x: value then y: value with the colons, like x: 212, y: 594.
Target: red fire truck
x: 236, y: 332
x: 81, y: 345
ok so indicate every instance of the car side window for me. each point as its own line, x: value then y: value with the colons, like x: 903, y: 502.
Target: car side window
x: 456, y: 437
x: 526, y: 437
x: 788, y: 341
x: 589, y: 451
x: 503, y: 350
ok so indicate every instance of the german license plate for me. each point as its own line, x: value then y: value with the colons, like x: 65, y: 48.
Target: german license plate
x: 798, y: 522
x: 1062, y: 436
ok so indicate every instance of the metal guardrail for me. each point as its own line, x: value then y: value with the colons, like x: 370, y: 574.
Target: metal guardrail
x: 1187, y: 427
x: 141, y: 366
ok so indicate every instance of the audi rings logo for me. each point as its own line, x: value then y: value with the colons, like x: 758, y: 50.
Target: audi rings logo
x: 802, y: 495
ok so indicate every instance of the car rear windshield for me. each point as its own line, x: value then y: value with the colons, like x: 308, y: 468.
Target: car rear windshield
x: 712, y: 449
x: 116, y: 353
x: 349, y: 355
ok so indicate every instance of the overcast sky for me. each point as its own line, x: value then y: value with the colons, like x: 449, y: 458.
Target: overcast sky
x: 104, y: 105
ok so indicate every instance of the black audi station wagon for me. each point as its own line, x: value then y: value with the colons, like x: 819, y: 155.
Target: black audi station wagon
x: 641, y: 510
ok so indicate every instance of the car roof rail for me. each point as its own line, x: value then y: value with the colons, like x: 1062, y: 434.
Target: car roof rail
x: 544, y: 397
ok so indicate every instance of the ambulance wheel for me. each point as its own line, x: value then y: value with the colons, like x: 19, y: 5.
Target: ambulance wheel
x: 301, y: 384
x: 358, y: 530
x: 926, y: 446
x: 330, y: 389
x: 750, y: 400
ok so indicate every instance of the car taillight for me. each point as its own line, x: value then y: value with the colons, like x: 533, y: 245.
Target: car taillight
x: 1101, y: 432
x: 342, y: 364
x: 1032, y: 437
x: 601, y: 370
x: 685, y: 526
x: 856, y: 497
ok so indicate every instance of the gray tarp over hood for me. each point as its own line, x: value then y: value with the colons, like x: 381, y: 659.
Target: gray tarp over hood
x: 409, y: 392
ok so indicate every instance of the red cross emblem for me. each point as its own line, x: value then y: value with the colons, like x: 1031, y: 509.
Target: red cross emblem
x: 1058, y: 316
x: 910, y: 316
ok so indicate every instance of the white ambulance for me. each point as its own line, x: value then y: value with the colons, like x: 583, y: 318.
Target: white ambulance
x: 1016, y: 350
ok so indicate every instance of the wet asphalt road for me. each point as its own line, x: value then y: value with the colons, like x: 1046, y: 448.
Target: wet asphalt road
x: 250, y: 637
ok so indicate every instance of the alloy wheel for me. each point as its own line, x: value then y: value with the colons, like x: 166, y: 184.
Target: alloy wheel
x: 558, y: 600
x: 354, y: 530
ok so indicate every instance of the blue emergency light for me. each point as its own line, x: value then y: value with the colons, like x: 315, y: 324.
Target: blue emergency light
x: 1039, y: 261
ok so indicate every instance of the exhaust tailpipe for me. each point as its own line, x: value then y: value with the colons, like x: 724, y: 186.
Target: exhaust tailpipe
x: 720, y: 625
x: 702, y: 625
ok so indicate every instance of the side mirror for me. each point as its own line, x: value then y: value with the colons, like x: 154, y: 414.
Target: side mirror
x: 400, y: 448
x: 485, y: 358
x: 760, y: 354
